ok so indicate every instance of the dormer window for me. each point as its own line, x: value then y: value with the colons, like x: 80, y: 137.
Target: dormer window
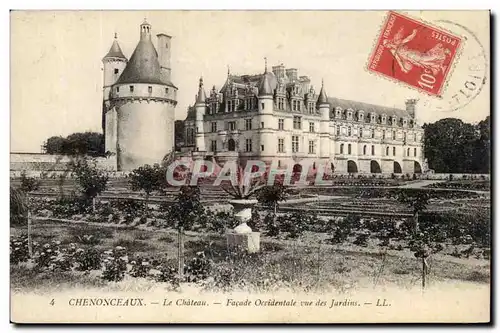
x: 166, y: 90
x: 372, y: 118
x: 349, y: 131
x: 338, y: 113
x: 405, y: 122
x: 373, y: 133
x: 150, y: 89
x: 361, y: 132
x: 360, y: 116
x: 131, y: 88
x: 394, y: 119
x: 117, y: 89
x: 384, y: 119
x: 349, y: 114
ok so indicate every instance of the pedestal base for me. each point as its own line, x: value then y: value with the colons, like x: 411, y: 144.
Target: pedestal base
x: 249, y: 242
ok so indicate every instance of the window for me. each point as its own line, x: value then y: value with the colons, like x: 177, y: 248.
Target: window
x: 281, y: 124
x: 373, y: 133
x: 394, y: 135
x: 262, y: 104
x: 295, y: 144
x: 361, y: 132
x: 387, y: 151
x: 341, y: 148
x: 214, y: 127
x: 261, y: 124
x: 349, y: 149
x: 131, y: 88
x: 408, y: 152
x: 414, y: 151
x: 349, y: 131
x: 150, y: 89
x: 297, y: 123
x: 232, y: 125
x: 373, y: 150
x: 281, y: 145
x: 279, y: 163
x: 364, y: 150
x: 414, y: 136
x: 248, y: 124
x: 311, y: 127
x: 281, y: 103
x: 383, y: 135
x: 338, y: 129
x: 393, y: 151
x: 117, y: 89
x: 404, y: 136
x: 311, y: 108
x: 248, y: 145
x: 311, y: 147
x: 117, y: 70
x: 214, y: 145
x: 229, y: 106
x: 261, y: 147
x: 166, y: 90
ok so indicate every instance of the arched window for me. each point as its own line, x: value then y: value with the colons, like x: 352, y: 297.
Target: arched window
x: 341, y: 148
x: 387, y: 151
x: 393, y: 151
x: 414, y: 151
x: 349, y: 148
x: 373, y: 150
x: 364, y: 150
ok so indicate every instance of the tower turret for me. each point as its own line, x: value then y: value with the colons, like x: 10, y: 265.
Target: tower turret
x: 114, y: 63
x: 200, y: 107
x: 324, y: 110
x: 268, y: 141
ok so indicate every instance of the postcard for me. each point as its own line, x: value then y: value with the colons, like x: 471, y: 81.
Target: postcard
x: 250, y: 166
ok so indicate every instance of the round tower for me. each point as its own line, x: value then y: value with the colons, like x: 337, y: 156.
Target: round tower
x: 324, y: 127
x: 200, y: 108
x: 114, y: 63
x: 145, y: 107
x: 266, y: 119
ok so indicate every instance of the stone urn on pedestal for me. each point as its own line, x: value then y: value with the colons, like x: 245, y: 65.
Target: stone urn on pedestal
x: 243, y: 237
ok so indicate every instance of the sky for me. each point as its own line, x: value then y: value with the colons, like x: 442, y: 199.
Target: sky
x: 56, y: 60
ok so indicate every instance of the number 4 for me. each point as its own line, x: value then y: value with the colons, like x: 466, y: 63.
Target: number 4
x: 52, y: 302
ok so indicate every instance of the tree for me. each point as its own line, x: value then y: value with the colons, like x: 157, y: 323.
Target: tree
x: 91, y: 180
x: 148, y: 179
x: 417, y: 200
x: 453, y: 146
x: 270, y: 196
x: 244, y: 188
x: 184, y: 211
x: 82, y: 143
x: 18, y: 206
x: 54, y: 145
x: 29, y: 184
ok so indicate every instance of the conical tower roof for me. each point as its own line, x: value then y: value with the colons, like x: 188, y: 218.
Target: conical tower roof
x: 143, y: 66
x: 201, y: 97
x: 115, y: 51
x: 322, y: 99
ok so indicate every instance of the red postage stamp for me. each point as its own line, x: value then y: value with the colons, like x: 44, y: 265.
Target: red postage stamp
x: 414, y: 53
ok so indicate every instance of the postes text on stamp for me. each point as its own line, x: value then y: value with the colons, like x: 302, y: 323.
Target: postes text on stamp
x: 414, y: 53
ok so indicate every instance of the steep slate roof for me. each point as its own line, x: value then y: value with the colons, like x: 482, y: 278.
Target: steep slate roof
x: 143, y: 66
x: 356, y: 106
x: 322, y: 99
x: 265, y: 88
x: 115, y: 51
x: 191, y: 113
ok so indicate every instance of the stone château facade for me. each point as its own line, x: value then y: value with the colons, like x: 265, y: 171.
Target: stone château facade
x: 279, y: 116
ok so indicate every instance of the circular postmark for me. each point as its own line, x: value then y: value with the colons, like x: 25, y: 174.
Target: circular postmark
x: 469, y: 73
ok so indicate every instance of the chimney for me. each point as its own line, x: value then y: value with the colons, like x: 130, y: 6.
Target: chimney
x: 292, y: 74
x: 164, y: 43
x: 411, y: 107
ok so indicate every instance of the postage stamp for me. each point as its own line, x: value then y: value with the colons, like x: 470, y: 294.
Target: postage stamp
x: 414, y: 53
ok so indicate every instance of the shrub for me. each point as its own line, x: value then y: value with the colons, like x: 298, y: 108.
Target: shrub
x: 115, y: 264
x: 28, y: 184
x: 140, y: 267
x: 71, y: 205
x: 88, y: 259
x: 197, y: 269
x: 52, y: 257
x: 271, y: 225
x: 19, y: 249
x: 18, y: 207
